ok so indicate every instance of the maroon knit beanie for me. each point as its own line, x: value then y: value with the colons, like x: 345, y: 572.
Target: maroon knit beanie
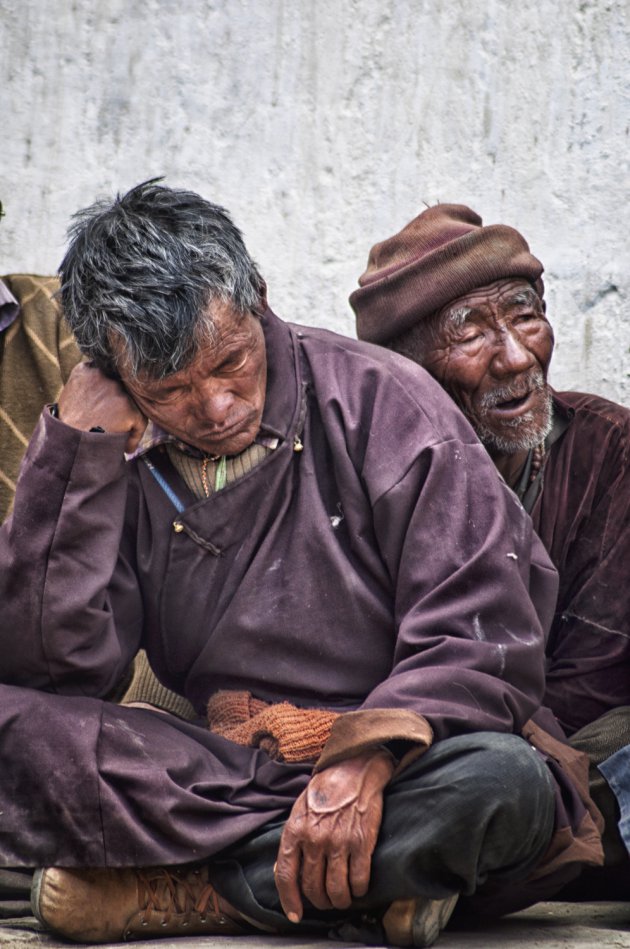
x: 441, y: 255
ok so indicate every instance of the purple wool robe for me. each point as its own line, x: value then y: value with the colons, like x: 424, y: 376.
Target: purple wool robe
x: 385, y: 568
x: 583, y: 518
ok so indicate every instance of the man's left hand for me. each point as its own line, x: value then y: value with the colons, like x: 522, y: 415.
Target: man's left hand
x: 326, y: 847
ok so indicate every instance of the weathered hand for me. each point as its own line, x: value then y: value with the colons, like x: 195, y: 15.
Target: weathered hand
x: 326, y: 847
x: 90, y: 399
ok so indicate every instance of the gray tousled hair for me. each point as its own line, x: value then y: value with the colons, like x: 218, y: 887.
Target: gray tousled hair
x: 140, y: 272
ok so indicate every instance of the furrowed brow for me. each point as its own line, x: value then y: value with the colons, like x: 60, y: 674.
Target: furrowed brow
x: 527, y: 297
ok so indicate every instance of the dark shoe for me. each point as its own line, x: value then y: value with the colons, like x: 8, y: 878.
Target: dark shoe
x: 417, y: 922
x: 114, y: 905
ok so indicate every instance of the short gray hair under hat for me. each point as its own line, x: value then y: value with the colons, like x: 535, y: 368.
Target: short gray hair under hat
x: 443, y: 254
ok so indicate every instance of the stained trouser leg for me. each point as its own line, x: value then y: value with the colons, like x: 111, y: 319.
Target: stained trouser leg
x: 474, y: 808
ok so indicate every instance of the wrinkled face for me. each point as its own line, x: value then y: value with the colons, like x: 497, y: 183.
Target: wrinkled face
x: 491, y: 353
x: 216, y: 403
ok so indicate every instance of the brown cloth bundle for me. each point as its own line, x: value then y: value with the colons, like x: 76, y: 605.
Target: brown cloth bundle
x: 285, y: 732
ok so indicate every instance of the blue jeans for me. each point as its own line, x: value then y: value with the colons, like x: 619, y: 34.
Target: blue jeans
x: 616, y: 770
x: 473, y: 810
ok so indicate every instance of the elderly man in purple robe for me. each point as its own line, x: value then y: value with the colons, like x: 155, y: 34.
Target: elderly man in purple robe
x: 465, y: 301
x: 314, y: 549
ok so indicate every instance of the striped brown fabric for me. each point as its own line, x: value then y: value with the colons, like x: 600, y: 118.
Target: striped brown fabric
x: 38, y: 353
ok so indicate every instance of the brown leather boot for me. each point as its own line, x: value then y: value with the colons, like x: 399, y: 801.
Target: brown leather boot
x: 99, y: 905
x: 417, y: 922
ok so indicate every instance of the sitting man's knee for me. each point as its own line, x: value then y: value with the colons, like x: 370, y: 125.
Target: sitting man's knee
x: 500, y: 777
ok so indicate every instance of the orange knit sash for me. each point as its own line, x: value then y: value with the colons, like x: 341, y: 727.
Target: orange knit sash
x: 285, y: 732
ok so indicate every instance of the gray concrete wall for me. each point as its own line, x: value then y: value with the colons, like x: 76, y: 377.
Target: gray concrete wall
x: 325, y: 125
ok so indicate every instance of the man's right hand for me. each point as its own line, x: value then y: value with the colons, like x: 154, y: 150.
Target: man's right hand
x: 328, y: 840
x: 90, y: 399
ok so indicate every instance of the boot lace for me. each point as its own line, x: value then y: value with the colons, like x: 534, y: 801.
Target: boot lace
x: 174, y: 892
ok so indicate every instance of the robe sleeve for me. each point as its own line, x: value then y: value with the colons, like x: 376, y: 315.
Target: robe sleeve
x: 64, y: 568
x: 474, y: 595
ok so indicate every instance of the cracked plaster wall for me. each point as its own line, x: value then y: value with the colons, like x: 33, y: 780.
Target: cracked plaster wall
x: 325, y: 126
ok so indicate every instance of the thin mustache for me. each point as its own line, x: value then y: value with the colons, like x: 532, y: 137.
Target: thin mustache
x: 517, y: 390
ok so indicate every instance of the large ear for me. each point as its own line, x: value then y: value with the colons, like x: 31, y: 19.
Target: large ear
x: 262, y: 306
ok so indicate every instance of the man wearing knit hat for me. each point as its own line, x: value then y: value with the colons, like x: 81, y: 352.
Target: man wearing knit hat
x: 465, y: 301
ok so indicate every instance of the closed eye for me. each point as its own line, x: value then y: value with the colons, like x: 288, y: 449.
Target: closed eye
x: 232, y: 363
x: 470, y: 337
x: 164, y: 398
x: 528, y: 317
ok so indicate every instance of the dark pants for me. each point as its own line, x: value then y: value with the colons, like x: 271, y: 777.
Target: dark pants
x: 474, y: 809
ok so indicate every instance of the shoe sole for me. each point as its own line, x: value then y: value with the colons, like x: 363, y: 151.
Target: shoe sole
x: 36, y: 887
x: 430, y: 918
